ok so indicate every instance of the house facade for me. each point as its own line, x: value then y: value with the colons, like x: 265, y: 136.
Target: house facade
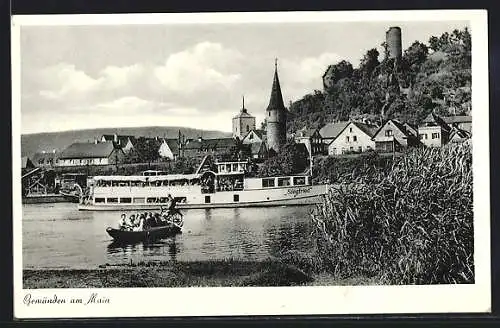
x: 169, y: 149
x: 45, y: 159
x: 394, y: 136
x: 312, y: 139
x: 78, y: 154
x: 434, y: 132
x: 356, y: 137
x: 330, y: 131
x: 125, y: 142
x: 461, y: 122
x: 254, y: 136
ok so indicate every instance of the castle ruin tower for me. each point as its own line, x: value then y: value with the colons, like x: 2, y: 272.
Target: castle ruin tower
x: 393, y: 40
x: 276, y: 115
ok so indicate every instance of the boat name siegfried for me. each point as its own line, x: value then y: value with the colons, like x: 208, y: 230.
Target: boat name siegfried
x: 298, y: 191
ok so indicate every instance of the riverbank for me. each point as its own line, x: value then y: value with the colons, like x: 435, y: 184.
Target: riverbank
x: 44, y: 199
x: 222, y: 273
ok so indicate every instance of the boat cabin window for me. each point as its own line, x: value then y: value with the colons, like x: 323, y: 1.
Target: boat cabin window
x: 126, y: 200
x: 228, y: 167
x: 139, y: 200
x: 207, y: 199
x: 112, y: 200
x: 266, y: 183
x: 299, y: 181
x: 283, y: 182
x: 99, y: 200
x: 180, y: 199
x: 235, y: 167
x: 236, y: 198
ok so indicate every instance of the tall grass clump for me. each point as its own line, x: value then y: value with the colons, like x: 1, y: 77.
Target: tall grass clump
x: 410, y: 225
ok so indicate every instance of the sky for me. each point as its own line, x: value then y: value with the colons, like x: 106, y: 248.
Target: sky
x: 89, y: 76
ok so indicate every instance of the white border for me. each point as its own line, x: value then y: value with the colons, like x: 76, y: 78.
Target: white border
x: 135, y: 302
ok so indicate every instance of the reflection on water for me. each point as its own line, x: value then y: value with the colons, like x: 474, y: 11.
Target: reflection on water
x: 58, y: 235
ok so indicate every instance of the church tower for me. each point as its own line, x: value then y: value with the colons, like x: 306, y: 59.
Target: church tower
x: 276, y: 115
x: 243, y: 122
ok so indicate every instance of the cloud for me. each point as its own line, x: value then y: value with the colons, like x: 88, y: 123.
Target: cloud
x: 64, y: 80
x: 204, y: 66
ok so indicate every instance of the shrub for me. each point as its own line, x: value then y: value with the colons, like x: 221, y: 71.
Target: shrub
x: 410, y: 225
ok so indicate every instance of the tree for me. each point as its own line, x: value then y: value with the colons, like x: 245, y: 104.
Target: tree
x: 147, y: 149
x: 369, y: 62
x: 291, y: 159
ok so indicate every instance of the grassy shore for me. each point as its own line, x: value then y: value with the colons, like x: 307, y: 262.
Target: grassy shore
x: 222, y: 273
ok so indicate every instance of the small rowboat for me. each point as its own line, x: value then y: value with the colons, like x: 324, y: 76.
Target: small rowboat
x: 154, y: 233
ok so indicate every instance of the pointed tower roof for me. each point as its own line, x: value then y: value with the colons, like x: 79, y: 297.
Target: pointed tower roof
x: 276, y: 99
x: 243, y: 112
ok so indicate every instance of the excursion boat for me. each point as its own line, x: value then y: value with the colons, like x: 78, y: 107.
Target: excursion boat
x: 225, y: 184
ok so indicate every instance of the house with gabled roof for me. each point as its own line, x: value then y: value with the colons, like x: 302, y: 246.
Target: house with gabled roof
x: 394, y: 136
x: 434, y: 131
x: 356, y: 137
x: 312, y: 139
x: 169, y: 148
x: 331, y: 130
x: 254, y: 136
x: 45, y: 159
x: 85, y: 153
x: 126, y: 143
x: 462, y: 122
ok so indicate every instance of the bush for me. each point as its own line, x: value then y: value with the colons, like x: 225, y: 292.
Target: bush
x: 411, y: 225
x: 349, y: 168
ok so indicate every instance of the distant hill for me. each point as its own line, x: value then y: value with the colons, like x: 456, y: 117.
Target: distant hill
x: 37, y: 142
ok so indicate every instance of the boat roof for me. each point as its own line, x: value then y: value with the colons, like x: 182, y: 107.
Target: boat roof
x: 148, y: 178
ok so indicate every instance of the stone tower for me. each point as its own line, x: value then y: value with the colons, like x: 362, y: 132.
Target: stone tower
x: 243, y: 122
x: 276, y: 115
x: 393, y: 41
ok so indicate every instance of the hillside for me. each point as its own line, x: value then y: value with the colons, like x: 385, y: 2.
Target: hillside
x: 31, y: 143
x: 430, y: 77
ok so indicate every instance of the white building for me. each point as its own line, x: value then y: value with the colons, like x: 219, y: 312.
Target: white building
x: 354, y: 138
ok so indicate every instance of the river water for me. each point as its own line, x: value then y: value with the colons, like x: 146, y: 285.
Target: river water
x: 59, y: 236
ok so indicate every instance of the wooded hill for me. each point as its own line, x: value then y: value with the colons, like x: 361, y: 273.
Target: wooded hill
x: 435, y: 76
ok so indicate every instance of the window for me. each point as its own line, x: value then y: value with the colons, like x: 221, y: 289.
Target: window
x: 347, y: 138
x: 236, y: 198
x: 126, y: 200
x: 351, y: 148
x: 235, y: 167
x: 269, y: 113
x: 435, y: 135
x: 354, y: 138
x: 388, y: 133
x: 298, y: 181
x: 266, y: 183
x: 112, y: 200
x: 250, y: 136
x: 248, y: 128
x: 283, y: 182
x: 350, y: 129
x: 207, y: 199
x: 360, y: 149
x: 152, y: 200
x: 99, y: 200
x: 228, y: 167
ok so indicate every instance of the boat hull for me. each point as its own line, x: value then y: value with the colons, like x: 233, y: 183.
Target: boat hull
x: 156, y: 233
x: 297, y: 201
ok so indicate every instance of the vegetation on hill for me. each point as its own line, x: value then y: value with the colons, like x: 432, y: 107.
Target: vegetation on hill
x: 433, y: 77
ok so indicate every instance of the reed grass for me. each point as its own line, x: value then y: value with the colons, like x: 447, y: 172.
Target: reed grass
x: 410, y: 225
